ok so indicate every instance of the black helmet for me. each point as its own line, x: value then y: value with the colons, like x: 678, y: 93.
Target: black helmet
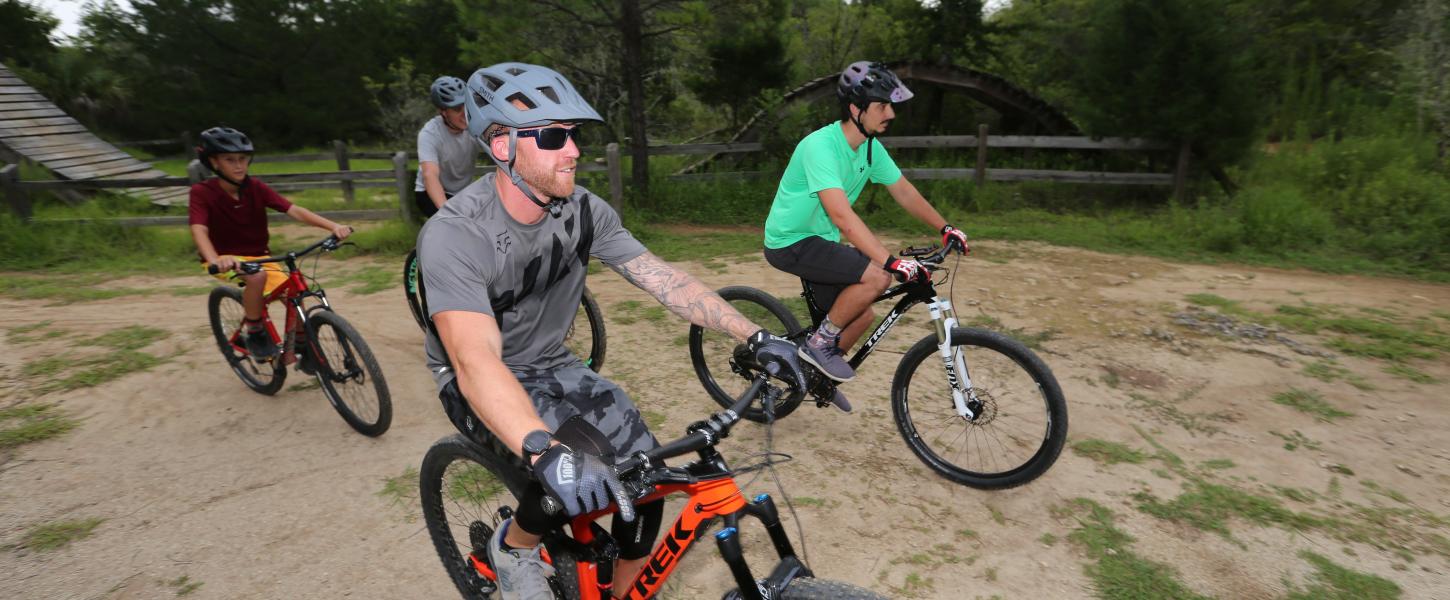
x: 447, y: 92
x: 221, y: 140
x: 864, y: 82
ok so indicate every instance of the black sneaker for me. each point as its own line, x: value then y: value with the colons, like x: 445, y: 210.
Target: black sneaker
x: 305, y: 363
x: 259, y: 344
x: 830, y: 361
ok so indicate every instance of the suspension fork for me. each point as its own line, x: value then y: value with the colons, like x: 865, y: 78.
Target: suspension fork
x: 945, y: 319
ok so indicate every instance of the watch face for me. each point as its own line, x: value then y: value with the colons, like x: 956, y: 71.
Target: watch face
x: 537, y: 441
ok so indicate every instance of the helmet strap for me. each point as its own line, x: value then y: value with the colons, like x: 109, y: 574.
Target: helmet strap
x: 862, y: 128
x: 206, y: 162
x: 555, y: 206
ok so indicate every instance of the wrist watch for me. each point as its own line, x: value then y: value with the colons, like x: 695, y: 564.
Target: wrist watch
x: 536, y: 443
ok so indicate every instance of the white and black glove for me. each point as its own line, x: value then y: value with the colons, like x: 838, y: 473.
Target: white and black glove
x: 581, y: 482
x: 906, y: 269
x: 769, y: 349
x: 954, y: 238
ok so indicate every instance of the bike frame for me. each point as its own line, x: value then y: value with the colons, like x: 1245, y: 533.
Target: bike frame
x: 714, y: 495
x: 943, y: 316
x: 291, y: 293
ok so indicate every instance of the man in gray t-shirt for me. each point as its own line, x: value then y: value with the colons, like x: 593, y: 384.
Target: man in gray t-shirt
x: 502, y: 266
x: 446, y: 152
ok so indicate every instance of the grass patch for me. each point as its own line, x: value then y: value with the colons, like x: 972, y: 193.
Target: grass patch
x: 88, y: 372
x: 1218, y: 464
x: 1390, y: 350
x: 401, y: 490
x: 28, y: 423
x: 310, y: 384
x: 809, y: 501
x: 133, y: 337
x: 184, y: 585
x: 1404, y: 371
x: 1309, y: 403
x: 1333, y: 582
x: 1168, y: 411
x: 1208, y: 506
x: 471, y: 484
x: 1117, y: 571
x: 1328, y: 371
x: 629, y: 312
x: 1109, y: 453
x: 680, y: 245
x: 1048, y: 539
x: 1293, y: 441
x: 52, y: 536
x: 1376, y: 488
x: 371, y: 280
x: 1299, y: 495
x: 654, y: 420
x: 997, y: 516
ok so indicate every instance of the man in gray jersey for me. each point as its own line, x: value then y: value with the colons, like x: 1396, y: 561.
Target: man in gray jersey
x: 446, y: 152
x: 503, y: 266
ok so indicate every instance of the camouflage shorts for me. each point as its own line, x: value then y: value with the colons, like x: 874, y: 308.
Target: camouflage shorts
x: 557, y: 395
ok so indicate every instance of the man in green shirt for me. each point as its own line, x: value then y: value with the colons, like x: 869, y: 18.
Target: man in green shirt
x: 812, y: 212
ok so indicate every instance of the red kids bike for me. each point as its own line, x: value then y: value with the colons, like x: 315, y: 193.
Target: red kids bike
x: 317, y: 340
x: 468, y: 491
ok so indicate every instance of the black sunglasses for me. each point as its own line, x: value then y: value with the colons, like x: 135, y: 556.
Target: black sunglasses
x: 552, y: 138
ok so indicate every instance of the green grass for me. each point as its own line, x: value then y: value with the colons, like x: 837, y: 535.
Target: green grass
x: 1167, y: 410
x: 472, y: 484
x: 1048, y: 539
x: 29, y: 423
x: 1309, y: 403
x: 1218, y: 464
x: 1109, y: 453
x: 401, y: 490
x: 1116, y: 571
x: 1328, y: 371
x: 90, y: 371
x: 371, y: 280
x: 184, y: 585
x: 673, y: 245
x: 1404, y: 371
x: 1209, y: 506
x: 133, y: 337
x: 1333, y: 582
x: 1293, y: 441
x: 59, y: 534
x: 1381, y: 490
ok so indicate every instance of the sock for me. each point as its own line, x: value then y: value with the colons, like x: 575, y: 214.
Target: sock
x: 252, y: 326
x: 825, y: 335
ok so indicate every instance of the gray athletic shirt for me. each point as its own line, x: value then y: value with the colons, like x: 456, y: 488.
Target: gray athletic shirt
x: 529, y: 278
x: 455, y: 155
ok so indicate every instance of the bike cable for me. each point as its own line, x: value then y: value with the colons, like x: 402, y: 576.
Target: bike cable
x: 768, y: 460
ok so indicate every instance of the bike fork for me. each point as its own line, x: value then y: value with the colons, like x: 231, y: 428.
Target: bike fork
x: 945, y: 319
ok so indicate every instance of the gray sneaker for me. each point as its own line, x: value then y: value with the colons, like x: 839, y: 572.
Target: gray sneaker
x: 829, y: 361
x: 522, y: 573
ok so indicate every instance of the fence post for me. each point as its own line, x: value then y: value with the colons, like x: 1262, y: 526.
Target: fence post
x: 405, y: 187
x: 616, y: 177
x: 980, y: 176
x: 194, y: 173
x: 339, y: 148
x: 1180, y: 172
x: 15, y: 196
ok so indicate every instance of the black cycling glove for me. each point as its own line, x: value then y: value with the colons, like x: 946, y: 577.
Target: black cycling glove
x: 769, y: 349
x: 581, y: 482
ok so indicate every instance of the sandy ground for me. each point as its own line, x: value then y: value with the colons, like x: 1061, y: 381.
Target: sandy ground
x: 275, y: 497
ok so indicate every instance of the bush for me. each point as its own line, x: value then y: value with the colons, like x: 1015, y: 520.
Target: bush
x: 1278, y: 217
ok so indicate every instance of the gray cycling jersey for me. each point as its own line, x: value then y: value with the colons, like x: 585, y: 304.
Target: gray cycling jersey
x: 475, y: 257
x: 455, y: 155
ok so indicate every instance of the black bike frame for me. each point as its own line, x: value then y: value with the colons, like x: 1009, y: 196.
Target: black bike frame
x: 915, y: 292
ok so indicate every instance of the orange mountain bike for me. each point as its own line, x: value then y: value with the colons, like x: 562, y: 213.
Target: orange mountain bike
x: 319, y: 341
x: 468, y: 491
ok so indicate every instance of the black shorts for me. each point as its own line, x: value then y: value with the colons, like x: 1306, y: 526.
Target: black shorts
x: 827, y: 267
x: 425, y: 204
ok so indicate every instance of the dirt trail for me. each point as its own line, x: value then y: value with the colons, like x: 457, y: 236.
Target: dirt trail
x: 275, y: 497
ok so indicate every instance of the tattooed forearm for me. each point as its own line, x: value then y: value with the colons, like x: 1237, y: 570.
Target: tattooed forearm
x: 685, y: 296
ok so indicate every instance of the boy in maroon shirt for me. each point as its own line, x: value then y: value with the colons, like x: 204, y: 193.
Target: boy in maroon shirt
x: 228, y: 216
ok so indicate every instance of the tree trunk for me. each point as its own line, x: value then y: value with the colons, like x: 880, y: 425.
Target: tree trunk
x: 631, y: 25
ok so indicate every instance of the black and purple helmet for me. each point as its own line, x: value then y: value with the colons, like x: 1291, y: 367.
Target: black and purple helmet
x: 864, y: 82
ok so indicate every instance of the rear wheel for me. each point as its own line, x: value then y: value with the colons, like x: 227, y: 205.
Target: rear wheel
x: 1021, y: 418
x: 810, y: 588
x: 224, y: 309
x: 711, y: 352
x: 585, y: 337
x: 410, y: 289
x: 350, y: 376
x: 467, y: 492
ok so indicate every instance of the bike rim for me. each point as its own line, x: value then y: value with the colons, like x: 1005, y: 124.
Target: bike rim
x: 231, y: 314
x: 342, y: 371
x: 470, y: 497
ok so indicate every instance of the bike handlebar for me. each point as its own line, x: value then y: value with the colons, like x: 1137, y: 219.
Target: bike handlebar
x: 930, y: 257
x: 249, y: 267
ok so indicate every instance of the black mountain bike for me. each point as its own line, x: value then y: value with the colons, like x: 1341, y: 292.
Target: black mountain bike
x: 585, y: 337
x: 978, y: 407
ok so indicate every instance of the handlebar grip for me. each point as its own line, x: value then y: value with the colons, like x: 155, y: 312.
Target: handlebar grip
x: 212, y: 270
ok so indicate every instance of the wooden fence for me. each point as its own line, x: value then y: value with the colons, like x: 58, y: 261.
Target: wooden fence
x: 400, y: 177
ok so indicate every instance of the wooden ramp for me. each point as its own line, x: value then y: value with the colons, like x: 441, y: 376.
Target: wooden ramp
x: 34, y: 128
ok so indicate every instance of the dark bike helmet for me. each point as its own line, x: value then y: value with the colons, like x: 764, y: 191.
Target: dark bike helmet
x: 447, y: 92
x: 547, y: 97
x: 222, y: 140
x: 864, y: 82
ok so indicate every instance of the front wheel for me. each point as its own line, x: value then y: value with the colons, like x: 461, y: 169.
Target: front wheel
x: 467, y: 492
x: 711, y: 352
x: 1020, y: 421
x: 350, y: 376
x: 224, y: 310
x: 810, y: 588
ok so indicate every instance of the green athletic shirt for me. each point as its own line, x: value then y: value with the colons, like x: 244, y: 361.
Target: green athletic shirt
x: 823, y: 160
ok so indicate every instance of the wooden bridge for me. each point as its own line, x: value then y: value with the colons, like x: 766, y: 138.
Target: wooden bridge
x: 35, y: 129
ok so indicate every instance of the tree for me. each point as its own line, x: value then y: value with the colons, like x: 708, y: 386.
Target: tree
x: 745, y: 53
x: 25, y: 31
x: 1424, y: 57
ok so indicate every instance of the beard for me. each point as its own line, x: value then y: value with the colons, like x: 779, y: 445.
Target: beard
x: 545, y: 180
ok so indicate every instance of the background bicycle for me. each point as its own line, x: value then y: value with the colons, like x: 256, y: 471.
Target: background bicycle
x: 585, y: 338
x: 977, y: 407
x: 315, y: 338
x: 468, y: 491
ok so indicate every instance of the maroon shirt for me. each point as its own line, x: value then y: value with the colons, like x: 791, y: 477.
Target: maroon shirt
x: 236, y: 226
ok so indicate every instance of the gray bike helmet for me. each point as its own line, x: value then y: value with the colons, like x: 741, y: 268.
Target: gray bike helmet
x: 547, y: 97
x: 864, y: 82
x: 221, y: 140
x: 447, y: 92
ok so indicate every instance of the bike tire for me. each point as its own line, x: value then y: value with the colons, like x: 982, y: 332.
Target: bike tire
x: 591, y: 349
x: 224, y: 310
x: 410, y: 289
x: 1006, y: 375
x: 346, y: 370
x: 463, y: 488
x: 711, y: 352
x: 810, y: 588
